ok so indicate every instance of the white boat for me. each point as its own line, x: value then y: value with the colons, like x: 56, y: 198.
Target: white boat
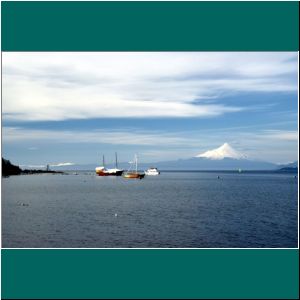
x: 152, y: 171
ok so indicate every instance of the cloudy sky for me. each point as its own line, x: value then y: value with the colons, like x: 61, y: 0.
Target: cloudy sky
x: 73, y: 107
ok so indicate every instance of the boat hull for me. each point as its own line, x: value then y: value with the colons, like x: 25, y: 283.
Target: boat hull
x: 133, y: 175
x: 105, y: 173
x: 152, y: 174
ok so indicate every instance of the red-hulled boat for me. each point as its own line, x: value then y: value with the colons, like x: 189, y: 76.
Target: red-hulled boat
x: 103, y: 171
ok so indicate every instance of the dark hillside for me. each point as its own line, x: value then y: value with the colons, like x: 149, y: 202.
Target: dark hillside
x: 9, y: 169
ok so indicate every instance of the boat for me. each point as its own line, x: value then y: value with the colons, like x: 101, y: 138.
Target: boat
x: 134, y: 174
x: 103, y: 171
x: 152, y: 172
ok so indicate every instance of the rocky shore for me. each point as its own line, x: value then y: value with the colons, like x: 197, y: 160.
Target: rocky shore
x: 9, y: 169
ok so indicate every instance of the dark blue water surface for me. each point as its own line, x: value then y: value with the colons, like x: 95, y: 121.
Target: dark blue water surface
x: 175, y: 209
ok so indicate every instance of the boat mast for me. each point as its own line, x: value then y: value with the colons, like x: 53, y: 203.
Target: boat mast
x: 135, y: 163
x: 116, y: 161
x: 103, y: 161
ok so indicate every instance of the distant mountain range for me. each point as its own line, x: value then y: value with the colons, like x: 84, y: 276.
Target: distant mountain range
x: 223, y: 158
x: 290, y: 165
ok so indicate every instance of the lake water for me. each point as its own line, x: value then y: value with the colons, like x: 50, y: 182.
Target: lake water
x: 175, y: 209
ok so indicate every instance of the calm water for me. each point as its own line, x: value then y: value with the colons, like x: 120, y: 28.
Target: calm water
x: 170, y: 210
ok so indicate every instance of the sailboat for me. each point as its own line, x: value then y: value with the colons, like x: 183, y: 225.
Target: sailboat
x: 134, y: 174
x: 103, y: 171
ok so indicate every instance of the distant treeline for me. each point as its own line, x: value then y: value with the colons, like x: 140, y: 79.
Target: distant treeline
x: 9, y: 169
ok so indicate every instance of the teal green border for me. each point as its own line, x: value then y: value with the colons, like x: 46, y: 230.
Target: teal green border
x: 150, y: 26
x: 133, y: 274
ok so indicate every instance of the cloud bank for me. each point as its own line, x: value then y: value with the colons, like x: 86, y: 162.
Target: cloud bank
x: 61, y: 86
x: 112, y: 137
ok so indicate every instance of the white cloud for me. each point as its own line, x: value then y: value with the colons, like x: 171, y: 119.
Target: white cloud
x: 62, y: 164
x: 44, y: 166
x: 59, y: 86
x: 114, y: 137
x: 33, y: 166
x: 288, y: 135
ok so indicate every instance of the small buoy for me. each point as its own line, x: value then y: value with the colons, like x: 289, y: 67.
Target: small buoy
x: 218, y: 177
x: 116, y: 215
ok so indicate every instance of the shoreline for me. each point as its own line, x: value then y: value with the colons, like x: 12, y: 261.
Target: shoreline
x: 8, y: 169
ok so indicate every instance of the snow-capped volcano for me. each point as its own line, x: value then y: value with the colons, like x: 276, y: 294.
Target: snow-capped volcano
x: 225, y: 151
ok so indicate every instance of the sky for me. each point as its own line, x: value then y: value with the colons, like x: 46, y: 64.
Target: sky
x: 73, y: 107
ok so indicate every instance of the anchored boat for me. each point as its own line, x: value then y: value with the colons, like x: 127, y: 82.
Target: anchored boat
x: 103, y: 171
x: 134, y: 174
x: 152, y: 172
